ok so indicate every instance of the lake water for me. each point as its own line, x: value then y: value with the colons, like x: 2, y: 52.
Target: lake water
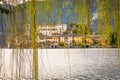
x: 61, y: 64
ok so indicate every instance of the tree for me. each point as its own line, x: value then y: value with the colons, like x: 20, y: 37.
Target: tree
x: 35, y: 39
x: 104, y: 19
x: 116, y: 17
x: 81, y: 29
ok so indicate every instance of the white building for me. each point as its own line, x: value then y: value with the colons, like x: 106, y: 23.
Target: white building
x: 27, y: 29
x: 62, y: 39
x: 66, y: 39
x: 70, y: 39
x: 50, y: 30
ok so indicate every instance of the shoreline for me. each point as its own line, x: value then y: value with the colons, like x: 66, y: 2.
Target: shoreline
x: 62, y: 48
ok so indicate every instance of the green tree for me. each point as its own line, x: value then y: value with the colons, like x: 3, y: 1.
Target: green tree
x: 104, y: 19
x: 116, y: 17
x: 81, y: 29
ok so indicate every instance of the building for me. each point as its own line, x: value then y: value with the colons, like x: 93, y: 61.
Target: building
x: 89, y: 39
x: 77, y: 39
x: 62, y: 39
x: 66, y: 39
x: 51, y: 29
x: 100, y: 40
x: 27, y: 29
x: 53, y: 41
x: 69, y: 39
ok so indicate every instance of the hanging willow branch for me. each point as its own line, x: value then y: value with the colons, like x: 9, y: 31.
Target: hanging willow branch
x: 2, y: 10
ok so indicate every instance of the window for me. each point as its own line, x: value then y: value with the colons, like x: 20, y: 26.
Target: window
x: 62, y: 28
x: 43, y: 33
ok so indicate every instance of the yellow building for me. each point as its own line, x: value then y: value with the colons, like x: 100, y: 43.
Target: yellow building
x: 52, y: 39
x: 103, y: 41
x: 55, y: 40
x: 89, y: 40
x: 77, y: 39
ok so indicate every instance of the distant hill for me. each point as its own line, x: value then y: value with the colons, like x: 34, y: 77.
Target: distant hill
x: 25, y: 17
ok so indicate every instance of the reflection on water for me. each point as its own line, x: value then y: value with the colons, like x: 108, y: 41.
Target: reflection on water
x: 62, y: 64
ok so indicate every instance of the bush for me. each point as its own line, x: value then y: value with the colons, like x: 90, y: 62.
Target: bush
x: 82, y: 45
x: 62, y: 44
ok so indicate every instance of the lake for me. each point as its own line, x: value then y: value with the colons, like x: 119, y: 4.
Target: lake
x: 61, y: 64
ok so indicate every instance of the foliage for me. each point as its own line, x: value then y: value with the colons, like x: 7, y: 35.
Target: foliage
x: 62, y: 44
x: 113, y: 38
x: 108, y: 10
x: 82, y: 45
x: 81, y: 29
x: 2, y: 10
